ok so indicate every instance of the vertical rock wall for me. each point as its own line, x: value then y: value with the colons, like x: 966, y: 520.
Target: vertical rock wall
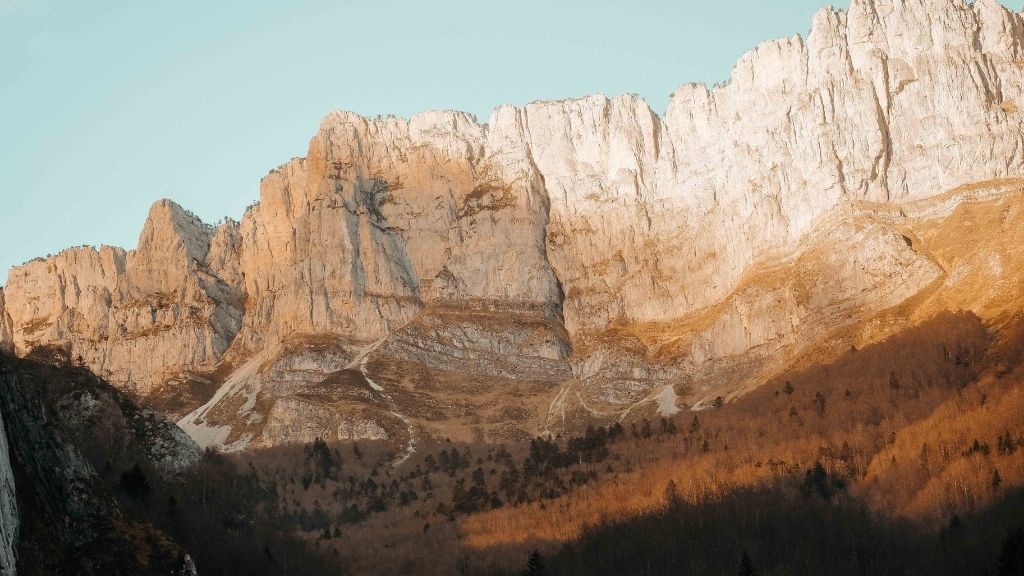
x: 8, y: 510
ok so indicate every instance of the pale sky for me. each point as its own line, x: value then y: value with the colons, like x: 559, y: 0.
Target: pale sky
x: 107, y: 106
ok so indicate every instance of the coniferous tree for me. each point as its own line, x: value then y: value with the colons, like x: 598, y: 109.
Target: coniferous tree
x: 135, y: 483
x: 535, y: 565
x: 819, y: 400
x: 672, y: 498
x: 894, y: 382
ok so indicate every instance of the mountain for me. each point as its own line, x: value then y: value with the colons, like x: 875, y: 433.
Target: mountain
x: 93, y: 483
x: 57, y: 516
x: 577, y: 261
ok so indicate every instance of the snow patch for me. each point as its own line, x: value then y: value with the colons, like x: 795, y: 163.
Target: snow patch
x: 360, y: 363
x: 207, y: 436
x: 557, y: 406
x: 362, y: 370
x: 250, y: 400
x: 667, y: 401
x: 410, y: 447
x: 238, y: 445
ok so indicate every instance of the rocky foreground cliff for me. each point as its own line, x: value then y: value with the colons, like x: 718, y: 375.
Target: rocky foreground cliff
x: 572, y: 261
x: 63, y: 433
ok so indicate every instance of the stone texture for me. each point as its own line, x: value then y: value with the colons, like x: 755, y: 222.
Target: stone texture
x: 9, y: 521
x: 134, y: 317
x: 6, y: 331
x: 584, y: 256
x: 60, y: 425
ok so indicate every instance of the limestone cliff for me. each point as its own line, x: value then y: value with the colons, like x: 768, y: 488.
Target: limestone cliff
x: 9, y: 522
x: 566, y: 261
x: 60, y: 425
x: 6, y: 331
x: 135, y: 317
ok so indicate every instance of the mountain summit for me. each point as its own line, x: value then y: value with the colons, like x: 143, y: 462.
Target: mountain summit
x: 577, y: 261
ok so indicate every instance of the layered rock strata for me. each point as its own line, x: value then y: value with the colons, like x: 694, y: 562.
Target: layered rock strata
x: 566, y: 260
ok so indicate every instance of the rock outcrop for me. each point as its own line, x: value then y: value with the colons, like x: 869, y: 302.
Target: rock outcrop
x: 9, y: 522
x: 566, y: 261
x: 134, y: 317
x: 6, y: 331
x: 65, y: 519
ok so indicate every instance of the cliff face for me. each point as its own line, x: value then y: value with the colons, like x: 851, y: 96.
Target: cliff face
x: 6, y: 331
x: 9, y: 523
x: 62, y: 519
x: 139, y: 316
x: 567, y: 260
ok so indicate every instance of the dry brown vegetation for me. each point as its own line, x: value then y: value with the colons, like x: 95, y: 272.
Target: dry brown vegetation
x: 891, y: 442
x: 841, y: 414
x: 914, y: 427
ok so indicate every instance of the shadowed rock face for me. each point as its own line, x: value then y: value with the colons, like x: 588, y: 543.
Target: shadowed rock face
x: 9, y: 522
x: 56, y: 516
x: 565, y: 262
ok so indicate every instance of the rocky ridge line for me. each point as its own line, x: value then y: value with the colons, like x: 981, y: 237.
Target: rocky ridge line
x: 593, y: 212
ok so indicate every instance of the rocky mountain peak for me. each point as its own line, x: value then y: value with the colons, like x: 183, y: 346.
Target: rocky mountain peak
x: 577, y: 254
x: 171, y: 242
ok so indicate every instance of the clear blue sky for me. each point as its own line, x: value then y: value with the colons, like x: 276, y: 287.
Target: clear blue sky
x: 107, y: 106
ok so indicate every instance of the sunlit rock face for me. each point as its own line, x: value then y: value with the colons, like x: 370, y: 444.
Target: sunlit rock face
x: 565, y: 262
x: 134, y: 317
